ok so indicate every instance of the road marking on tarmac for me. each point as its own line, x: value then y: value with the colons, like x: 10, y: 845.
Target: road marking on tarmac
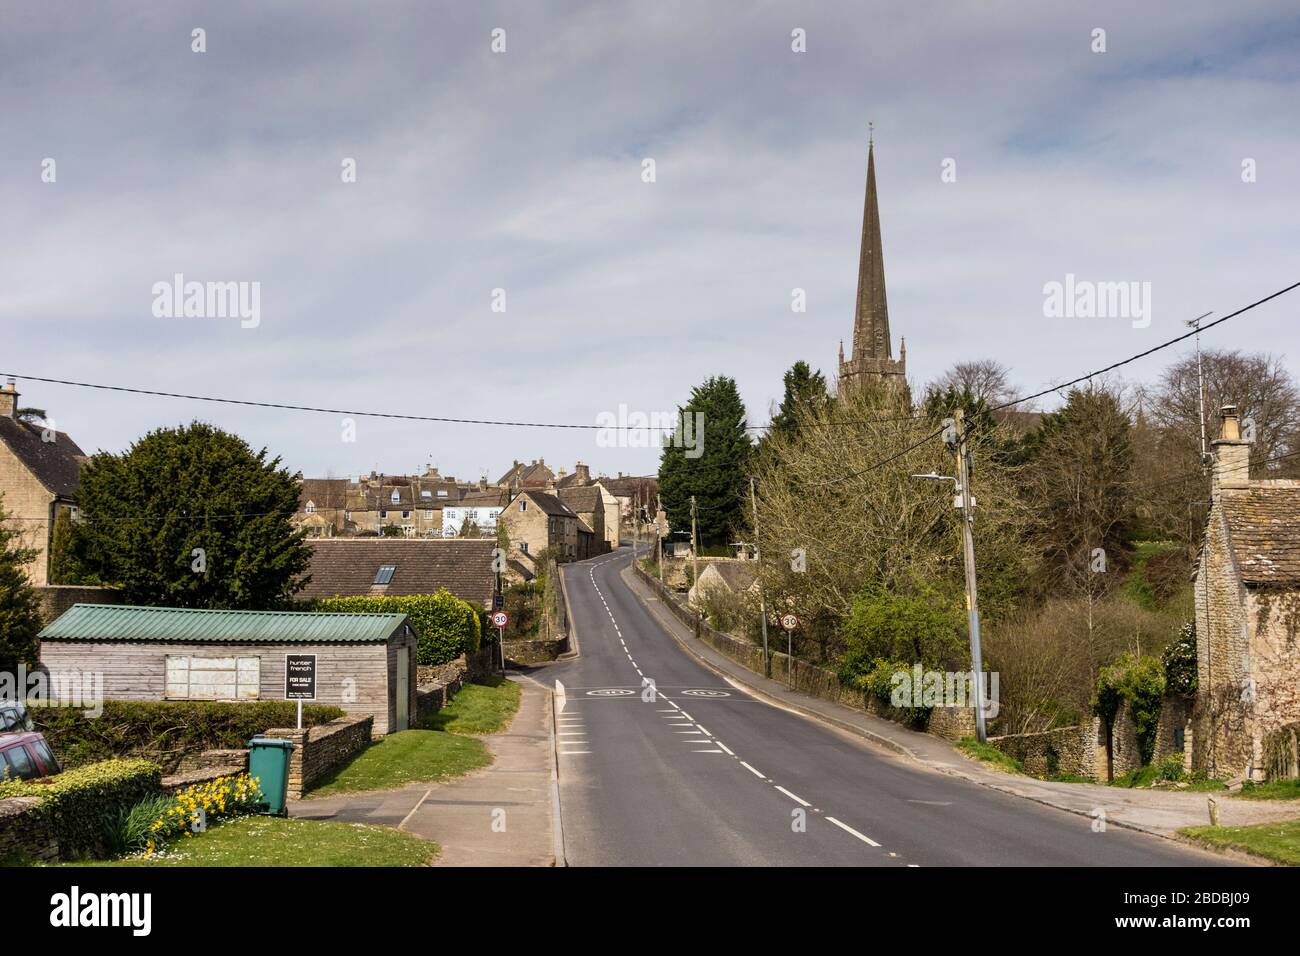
x: 848, y: 829
x: 675, y: 712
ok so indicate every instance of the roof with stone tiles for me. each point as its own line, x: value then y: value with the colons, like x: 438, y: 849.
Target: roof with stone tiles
x: 1264, y: 528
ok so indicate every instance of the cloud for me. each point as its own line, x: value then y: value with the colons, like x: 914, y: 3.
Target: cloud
x: 522, y: 171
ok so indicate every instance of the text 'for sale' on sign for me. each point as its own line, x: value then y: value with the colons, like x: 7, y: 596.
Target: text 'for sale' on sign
x: 300, y: 677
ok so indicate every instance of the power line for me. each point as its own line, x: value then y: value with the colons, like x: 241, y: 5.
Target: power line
x: 1153, y: 349
x: 358, y: 413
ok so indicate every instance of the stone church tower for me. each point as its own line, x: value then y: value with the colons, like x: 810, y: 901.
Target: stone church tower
x: 872, y: 360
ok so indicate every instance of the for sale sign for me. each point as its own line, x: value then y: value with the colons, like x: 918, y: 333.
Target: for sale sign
x: 300, y: 677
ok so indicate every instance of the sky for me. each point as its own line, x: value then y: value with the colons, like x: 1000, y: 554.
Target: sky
x: 524, y: 171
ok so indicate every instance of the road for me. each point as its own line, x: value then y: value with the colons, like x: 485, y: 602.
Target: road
x: 705, y: 774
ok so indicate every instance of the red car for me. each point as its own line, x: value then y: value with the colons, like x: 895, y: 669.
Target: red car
x: 26, y: 756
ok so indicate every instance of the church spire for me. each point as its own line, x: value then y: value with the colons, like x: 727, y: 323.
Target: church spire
x: 871, y: 318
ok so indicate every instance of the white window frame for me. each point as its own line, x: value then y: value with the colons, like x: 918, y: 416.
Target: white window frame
x: 180, y: 670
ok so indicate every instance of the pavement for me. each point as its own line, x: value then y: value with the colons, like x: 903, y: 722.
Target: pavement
x: 1159, y: 812
x: 665, y: 757
x: 502, y: 815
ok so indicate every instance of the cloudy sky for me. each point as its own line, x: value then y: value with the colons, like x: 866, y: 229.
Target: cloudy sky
x: 522, y: 171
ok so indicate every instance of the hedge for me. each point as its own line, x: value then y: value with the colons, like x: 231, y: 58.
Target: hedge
x: 164, y: 731
x: 446, y: 626
x: 85, y: 802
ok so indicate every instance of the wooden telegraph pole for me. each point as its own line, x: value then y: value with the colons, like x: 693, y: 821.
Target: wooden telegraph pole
x: 695, y: 548
x: 968, y: 554
x: 762, y: 600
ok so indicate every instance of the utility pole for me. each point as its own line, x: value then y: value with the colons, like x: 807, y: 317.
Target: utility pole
x: 758, y: 556
x: 1200, y: 382
x: 968, y: 553
x: 695, y: 548
x: 659, y: 540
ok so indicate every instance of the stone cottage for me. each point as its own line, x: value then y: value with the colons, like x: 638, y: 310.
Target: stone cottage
x: 1247, y: 613
x: 39, y: 469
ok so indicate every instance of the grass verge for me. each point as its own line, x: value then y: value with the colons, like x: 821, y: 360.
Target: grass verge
x: 1273, y: 790
x: 485, y: 708
x: 437, y: 751
x: 987, y: 753
x: 1279, y: 842
x: 276, y: 841
x: 406, y: 757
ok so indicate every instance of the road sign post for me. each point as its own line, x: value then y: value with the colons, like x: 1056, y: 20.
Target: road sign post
x: 789, y: 623
x: 500, y: 619
x: 300, y: 679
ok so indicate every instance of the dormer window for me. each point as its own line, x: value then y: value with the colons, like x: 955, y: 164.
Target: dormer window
x: 385, y: 574
x: 311, y: 508
x: 442, y: 492
x: 426, y: 493
x: 395, y: 497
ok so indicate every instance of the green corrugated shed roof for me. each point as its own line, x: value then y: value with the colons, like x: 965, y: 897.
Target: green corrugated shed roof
x: 116, y: 622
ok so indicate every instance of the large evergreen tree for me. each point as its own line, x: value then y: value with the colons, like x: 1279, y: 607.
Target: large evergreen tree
x: 192, y: 517
x: 710, y: 464
x: 804, y: 389
x: 20, y: 619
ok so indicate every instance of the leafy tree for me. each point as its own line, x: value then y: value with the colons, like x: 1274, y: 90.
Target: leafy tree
x: 713, y: 467
x: 804, y: 388
x: 20, y: 619
x: 924, y: 626
x: 445, y: 626
x: 193, y: 517
x: 1140, y: 682
x: 1079, y: 477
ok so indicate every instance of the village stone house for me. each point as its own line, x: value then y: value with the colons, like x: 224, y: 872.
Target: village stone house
x: 521, y: 475
x: 39, y: 469
x: 537, y: 522
x: 322, y: 506
x: 1247, y: 614
x: 589, y: 505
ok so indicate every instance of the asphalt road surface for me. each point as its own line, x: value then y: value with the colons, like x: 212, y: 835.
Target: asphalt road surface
x: 701, y: 773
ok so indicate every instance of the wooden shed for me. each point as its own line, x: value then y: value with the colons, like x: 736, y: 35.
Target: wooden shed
x: 365, y: 663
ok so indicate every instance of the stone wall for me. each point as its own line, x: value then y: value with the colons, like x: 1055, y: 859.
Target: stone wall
x: 1078, y: 751
x: 533, y: 652
x: 1125, y: 753
x: 213, y: 760
x: 26, y: 833
x: 321, y: 749
x: 56, y: 598
x: 1174, y: 731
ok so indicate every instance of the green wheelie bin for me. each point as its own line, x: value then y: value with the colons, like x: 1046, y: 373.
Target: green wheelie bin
x: 268, y: 763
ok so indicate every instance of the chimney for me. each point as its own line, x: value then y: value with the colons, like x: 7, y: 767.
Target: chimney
x: 1231, y: 453
x: 583, y: 473
x: 482, y: 483
x: 9, y: 399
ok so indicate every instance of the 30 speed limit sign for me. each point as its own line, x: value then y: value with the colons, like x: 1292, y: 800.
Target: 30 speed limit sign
x: 789, y: 622
x: 500, y: 619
